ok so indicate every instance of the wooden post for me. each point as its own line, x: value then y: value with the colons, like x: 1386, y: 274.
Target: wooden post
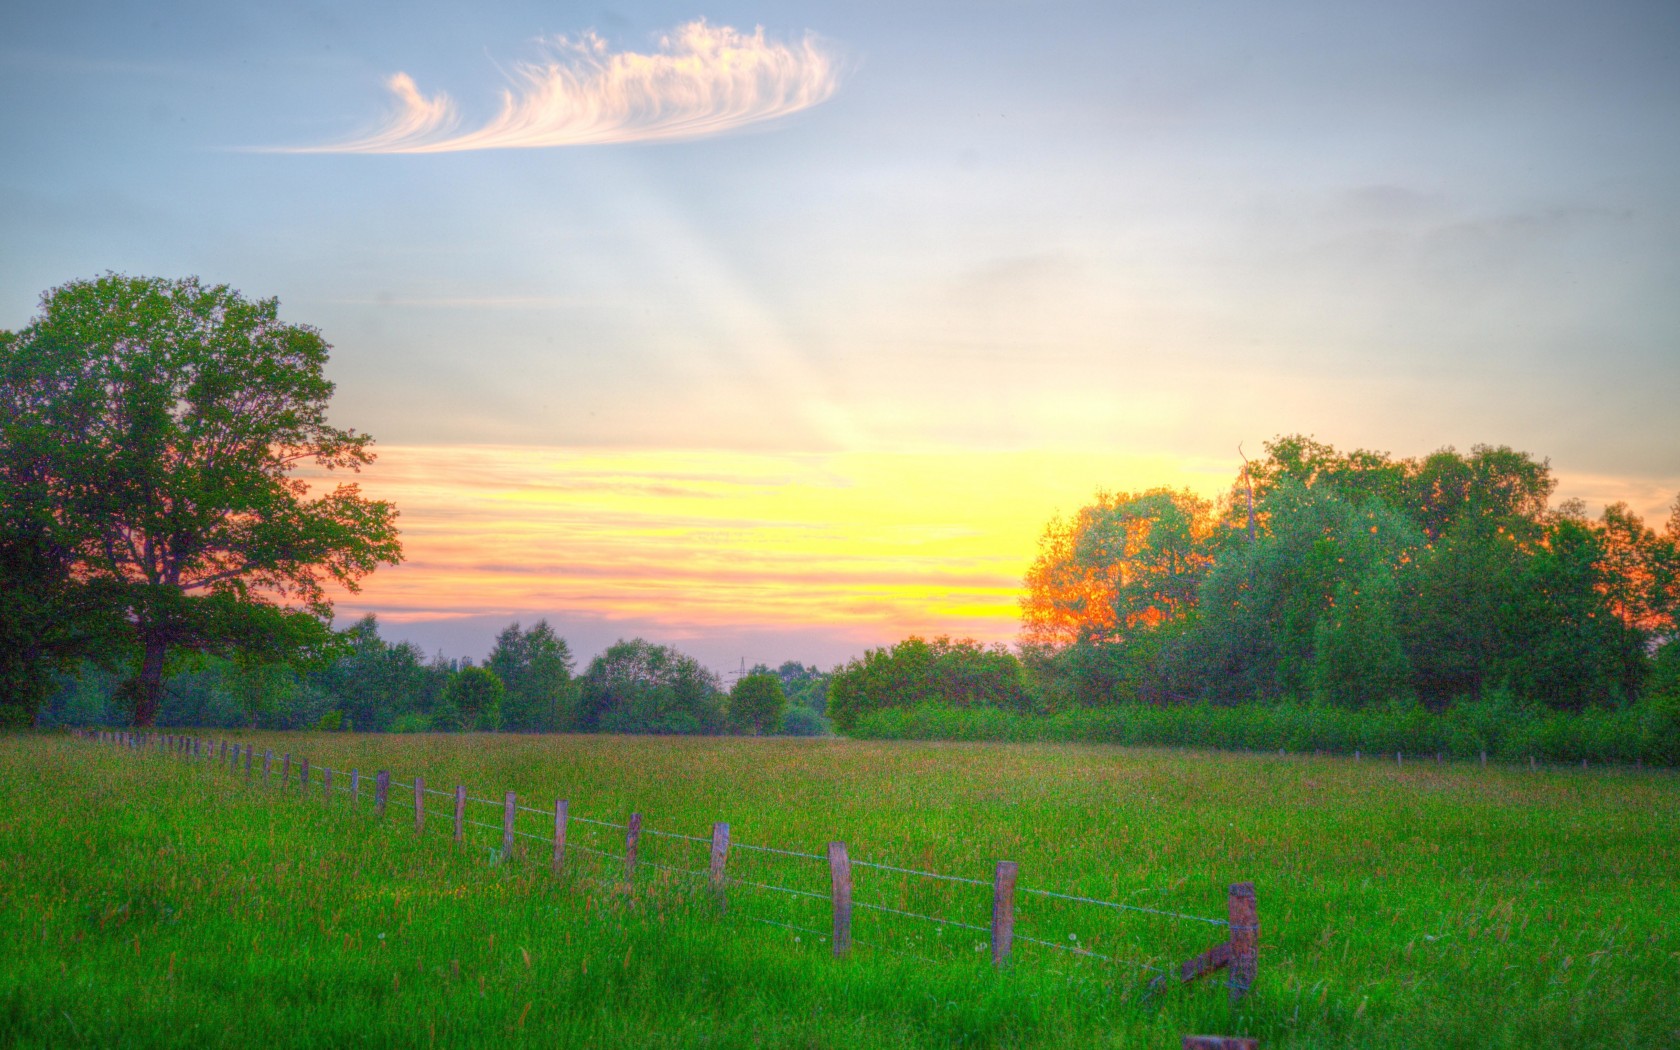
x: 268, y: 760
x: 1219, y: 1042
x: 1484, y: 758
x: 632, y: 842
x: 355, y: 787
x: 285, y: 770
x: 326, y: 785
x: 460, y: 810
x: 250, y: 753
x: 303, y: 775
x: 1356, y: 756
x: 419, y: 804
x: 224, y: 750
x: 840, y: 873
x: 720, y: 861
x: 381, y: 791
x: 510, y: 810
x: 1245, y: 939
x: 1003, y: 912
x: 559, y: 858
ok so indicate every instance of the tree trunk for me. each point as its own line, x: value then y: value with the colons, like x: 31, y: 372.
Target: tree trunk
x: 148, y: 684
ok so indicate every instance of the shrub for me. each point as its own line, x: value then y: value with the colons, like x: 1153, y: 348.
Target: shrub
x: 802, y: 721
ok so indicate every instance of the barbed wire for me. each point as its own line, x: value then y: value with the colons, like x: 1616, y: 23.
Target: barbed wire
x: 924, y: 874
x: 914, y: 915
x: 772, y: 849
x: 1124, y: 907
x: 779, y: 889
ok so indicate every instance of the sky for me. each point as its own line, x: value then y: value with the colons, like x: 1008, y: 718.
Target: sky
x: 781, y: 331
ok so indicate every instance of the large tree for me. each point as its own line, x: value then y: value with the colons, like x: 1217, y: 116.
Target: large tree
x: 147, y: 449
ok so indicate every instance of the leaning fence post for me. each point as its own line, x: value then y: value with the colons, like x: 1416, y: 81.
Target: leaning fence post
x: 460, y: 810
x: 381, y: 791
x: 285, y: 770
x: 268, y: 760
x: 510, y: 811
x: 720, y: 858
x: 632, y: 841
x: 840, y: 873
x: 303, y: 776
x: 559, y: 857
x: 1003, y: 912
x: 419, y: 804
x: 1245, y: 939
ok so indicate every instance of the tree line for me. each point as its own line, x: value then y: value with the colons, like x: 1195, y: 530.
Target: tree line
x: 1324, y: 579
x: 526, y: 684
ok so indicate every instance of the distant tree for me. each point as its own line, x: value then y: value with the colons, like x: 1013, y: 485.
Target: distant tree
x: 148, y: 433
x: 476, y: 694
x: 374, y: 682
x: 757, y: 703
x: 639, y: 687
x: 960, y: 673
x: 536, y: 667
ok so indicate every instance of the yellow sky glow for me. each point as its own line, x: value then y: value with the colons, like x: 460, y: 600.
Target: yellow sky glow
x: 880, y: 544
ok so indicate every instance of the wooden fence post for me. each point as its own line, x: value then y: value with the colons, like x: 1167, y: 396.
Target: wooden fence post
x: 460, y: 810
x: 510, y: 811
x: 326, y: 785
x: 419, y: 804
x: 720, y: 861
x: 559, y: 857
x: 381, y: 791
x: 268, y: 760
x: 303, y: 776
x: 1003, y: 912
x: 632, y: 842
x: 250, y: 754
x: 1245, y: 939
x: 840, y: 873
x: 355, y: 787
x: 285, y: 770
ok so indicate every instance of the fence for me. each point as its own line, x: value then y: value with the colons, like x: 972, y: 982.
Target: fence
x: 1237, y: 953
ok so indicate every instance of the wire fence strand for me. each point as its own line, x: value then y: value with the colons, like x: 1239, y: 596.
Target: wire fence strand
x: 1124, y: 907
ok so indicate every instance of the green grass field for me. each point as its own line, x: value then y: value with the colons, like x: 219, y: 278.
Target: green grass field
x: 150, y: 901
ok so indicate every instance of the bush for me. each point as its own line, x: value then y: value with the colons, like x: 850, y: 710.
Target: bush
x: 412, y: 722
x: 1649, y: 732
x: 331, y: 722
x: 802, y: 721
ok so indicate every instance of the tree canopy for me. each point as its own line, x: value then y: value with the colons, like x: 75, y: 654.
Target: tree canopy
x: 149, y: 434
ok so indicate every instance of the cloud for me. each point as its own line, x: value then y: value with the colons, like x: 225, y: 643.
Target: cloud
x: 702, y: 80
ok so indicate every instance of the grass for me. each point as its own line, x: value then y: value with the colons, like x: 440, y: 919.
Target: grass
x: 146, y: 901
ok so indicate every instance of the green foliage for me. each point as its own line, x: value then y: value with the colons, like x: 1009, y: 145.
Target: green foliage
x: 961, y: 673
x: 475, y: 693
x: 331, y: 722
x: 148, y: 435
x: 412, y: 722
x: 639, y: 687
x: 756, y: 704
x: 536, y: 667
x: 1362, y: 580
x: 1648, y: 732
x: 803, y: 721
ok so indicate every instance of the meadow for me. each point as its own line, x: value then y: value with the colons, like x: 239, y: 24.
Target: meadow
x: 150, y: 901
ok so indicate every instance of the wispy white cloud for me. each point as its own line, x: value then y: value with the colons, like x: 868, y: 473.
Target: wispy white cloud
x: 702, y: 80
